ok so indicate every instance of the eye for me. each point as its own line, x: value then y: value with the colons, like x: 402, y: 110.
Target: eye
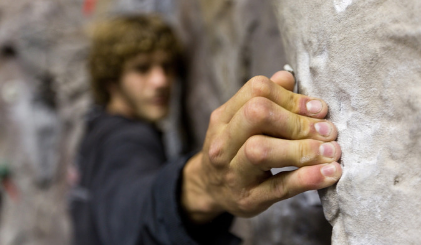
x: 142, y: 68
x: 168, y: 67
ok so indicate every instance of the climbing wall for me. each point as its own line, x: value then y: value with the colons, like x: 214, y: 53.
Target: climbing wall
x: 363, y: 59
x: 42, y: 99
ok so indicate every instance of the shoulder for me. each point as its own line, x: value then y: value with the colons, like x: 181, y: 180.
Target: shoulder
x: 131, y: 131
x: 109, y: 131
x: 120, y: 143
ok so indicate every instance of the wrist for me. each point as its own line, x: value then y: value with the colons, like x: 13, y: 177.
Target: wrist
x: 199, y: 206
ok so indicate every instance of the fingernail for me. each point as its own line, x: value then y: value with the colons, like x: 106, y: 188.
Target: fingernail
x: 327, y: 150
x: 314, y: 106
x: 329, y: 170
x: 323, y: 128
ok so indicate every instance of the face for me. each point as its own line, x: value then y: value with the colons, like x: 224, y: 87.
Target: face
x: 145, y: 86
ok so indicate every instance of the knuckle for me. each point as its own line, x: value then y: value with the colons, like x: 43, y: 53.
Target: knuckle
x: 260, y: 86
x: 297, y: 127
x: 246, y: 205
x: 216, y: 115
x: 279, y: 188
x: 255, y: 150
x: 302, y: 153
x: 230, y: 179
x: 300, y: 127
x: 216, y: 153
x: 306, y: 152
x: 296, y: 103
x: 258, y: 110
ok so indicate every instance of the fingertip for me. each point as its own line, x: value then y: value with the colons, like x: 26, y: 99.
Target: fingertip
x: 315, y: 108
x: 338, y: 150
x: 334, y: 134
x: 324, y: 130
x: 332, y: 171
x: 285, y: 79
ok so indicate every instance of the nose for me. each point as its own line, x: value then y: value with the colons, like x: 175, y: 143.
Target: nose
x: 158, y: 77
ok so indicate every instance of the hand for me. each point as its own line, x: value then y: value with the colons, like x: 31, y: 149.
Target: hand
x: 263, y: 126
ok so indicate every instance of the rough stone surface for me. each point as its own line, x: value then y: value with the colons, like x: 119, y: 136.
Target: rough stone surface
x: 363, y: 59
x: 42, y: 100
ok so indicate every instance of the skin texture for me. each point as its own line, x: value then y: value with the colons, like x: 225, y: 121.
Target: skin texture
x: 261, y: 127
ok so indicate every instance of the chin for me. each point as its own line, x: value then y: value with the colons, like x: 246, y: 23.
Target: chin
x: 154, y: 116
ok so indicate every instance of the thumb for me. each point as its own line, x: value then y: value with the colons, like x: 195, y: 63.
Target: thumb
x: 284, y: 79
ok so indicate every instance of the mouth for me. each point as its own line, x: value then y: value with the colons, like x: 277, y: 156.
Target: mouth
x: 161, y: 100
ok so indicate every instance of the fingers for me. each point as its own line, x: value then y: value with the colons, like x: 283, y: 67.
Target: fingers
x: 262, y: 116
x: 288, y: 184
x: 261, y: 86
x: 265, y: 153
x: 266, y: 126
x: 284, y: 79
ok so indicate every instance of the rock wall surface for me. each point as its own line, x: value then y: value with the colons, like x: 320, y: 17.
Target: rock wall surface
x: 43, y: 96
x: 364, y: 59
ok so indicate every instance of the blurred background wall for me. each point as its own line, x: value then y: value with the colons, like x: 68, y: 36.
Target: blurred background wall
x: 43, y: 97
x: 45, y: 93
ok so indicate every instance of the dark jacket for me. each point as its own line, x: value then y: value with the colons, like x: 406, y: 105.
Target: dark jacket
x: 128, y: 195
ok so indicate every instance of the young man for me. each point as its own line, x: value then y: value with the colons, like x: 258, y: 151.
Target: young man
x: 132, y: 196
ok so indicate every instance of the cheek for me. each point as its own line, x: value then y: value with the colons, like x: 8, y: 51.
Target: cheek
x: 135, y: 82
x: 134, y: 85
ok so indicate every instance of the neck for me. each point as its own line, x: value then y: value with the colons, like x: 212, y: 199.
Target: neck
x: 117, y: 106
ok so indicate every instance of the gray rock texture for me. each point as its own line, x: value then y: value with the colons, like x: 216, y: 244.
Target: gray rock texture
x: 43, y: 96
x: 364, y: 59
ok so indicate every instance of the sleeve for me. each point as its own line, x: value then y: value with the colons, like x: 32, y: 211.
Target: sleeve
x: 135, y: 199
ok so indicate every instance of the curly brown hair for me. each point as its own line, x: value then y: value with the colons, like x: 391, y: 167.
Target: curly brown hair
x: 118, y: 39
